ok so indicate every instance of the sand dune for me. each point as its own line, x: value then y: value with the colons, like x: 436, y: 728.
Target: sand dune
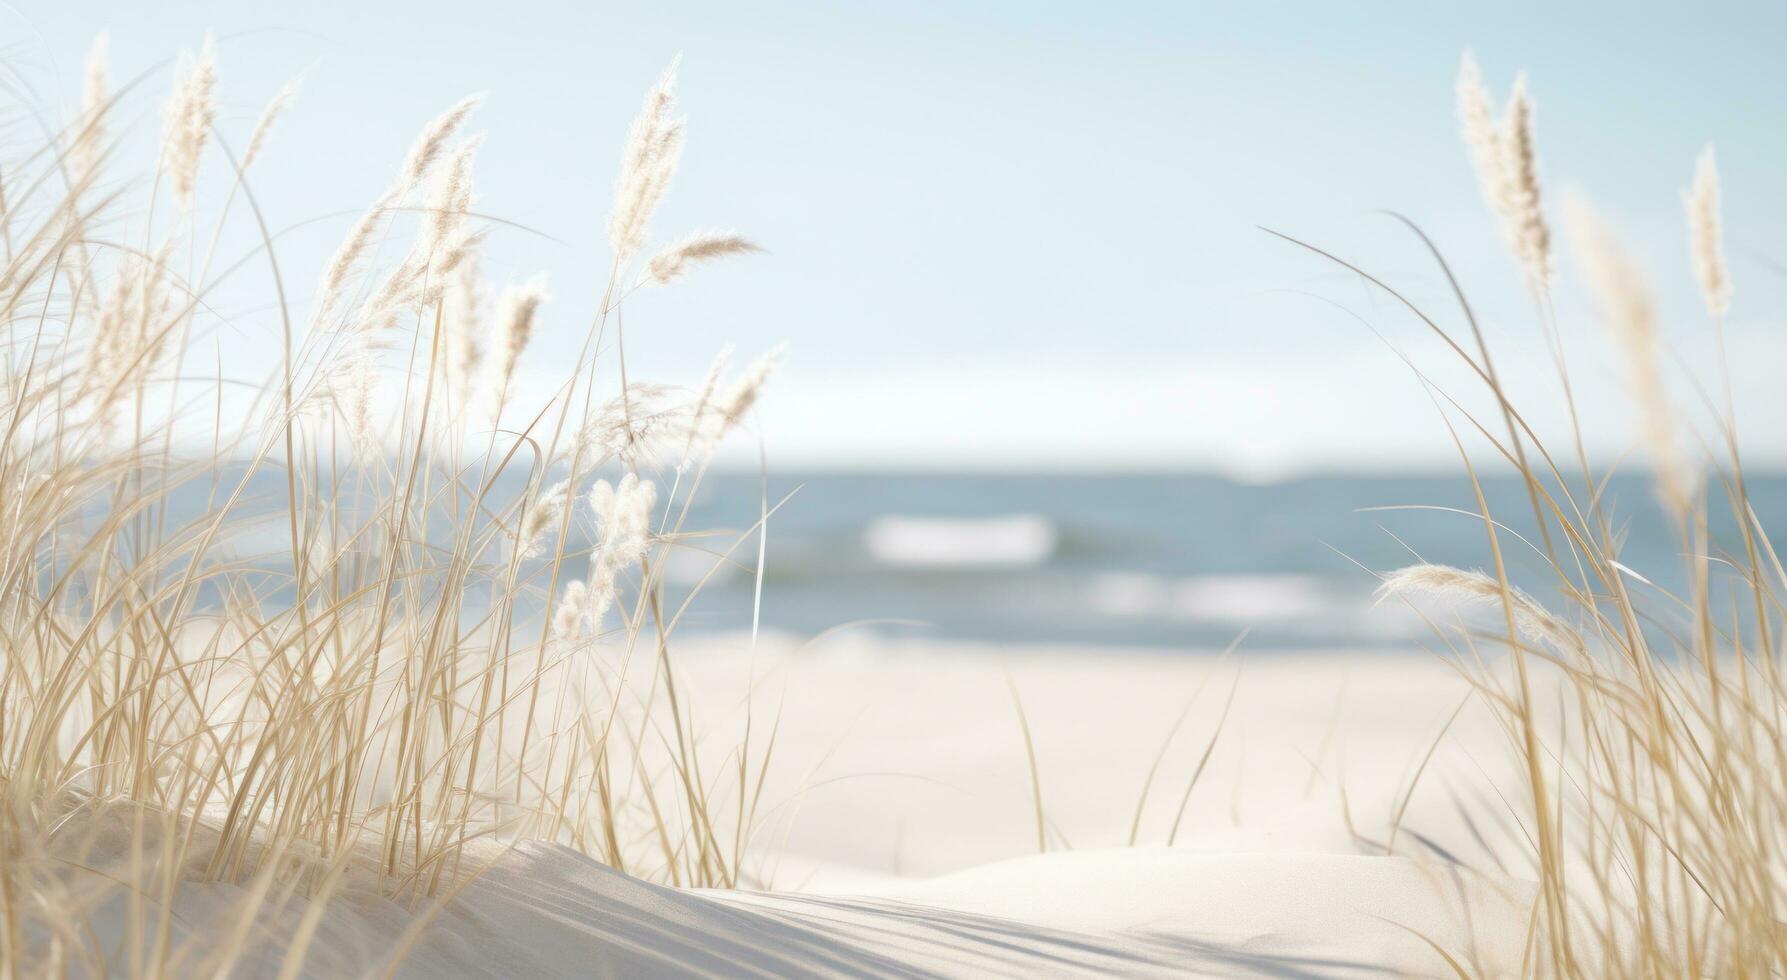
x: 545, y: 911
x: 902, y: 840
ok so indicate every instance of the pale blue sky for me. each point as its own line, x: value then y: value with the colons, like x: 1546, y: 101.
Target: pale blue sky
x: 1017, y: 233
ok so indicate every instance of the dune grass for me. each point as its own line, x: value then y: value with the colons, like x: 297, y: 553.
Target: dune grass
x: 444, y: 643
x: 1657, y: 811
x: 380, y: 607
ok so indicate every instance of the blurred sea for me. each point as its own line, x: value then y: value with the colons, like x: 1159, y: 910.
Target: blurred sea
x: 1173, y: 561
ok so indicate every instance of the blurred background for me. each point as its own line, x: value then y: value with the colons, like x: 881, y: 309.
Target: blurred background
x: 1049, y: 380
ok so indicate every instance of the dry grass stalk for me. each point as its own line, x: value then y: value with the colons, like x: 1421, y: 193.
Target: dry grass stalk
x: 279, y: 722
x: 1657, y: 815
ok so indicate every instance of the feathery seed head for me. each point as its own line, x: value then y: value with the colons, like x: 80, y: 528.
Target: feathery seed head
x: 542, y: 517
x: 462, y: 319
x: 640, y: 427
x: 1525, y: 218
x: 1630, y: 312
x: 717, y: 414
x: 1704, y: 230
x: 450, y: 198
x: 263, y: 127
x: 128, y: 335
x: 654, y: 144
x: 422, y: 156
x: 433, y: 140
x: 1534, y: 622
x: 704, y: 405
x: 672, y: 262
x: 516, y: 309
x: 362, y: 391
x: 749, y: 385
x: 581, y: 610
x: 189, y: 116
x: 1476, y: 120
x: 347, y: 254
x: 569, y: 619
x: 95, y: 84
x: 1506, y: 160
x: 83, y: 150
x: 623, y: 521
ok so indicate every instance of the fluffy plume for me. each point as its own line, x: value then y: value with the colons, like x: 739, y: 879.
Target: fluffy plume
x: 1506, y: 161
x: 361, y: 391
x: 516, y: 310
x: 1525, y: 217
x: 576, y: 611
x: 450, y: 198
x: 704, y: 405
x: 542, y: 517
x: 462, y: 319
x: 263, y: 127
x: 423, y: 279
x: 581, y: 609
x: 83, y: 150
x: 623, y: 536
x: 640, y: 428
x: 443, y: 243
x: 743, y: 394
x: 189, y: 117
x: 423, y: 154
x: 129, y: 334
x: 672, y: 262
x: 347, y: 254
x: 623, y: 520
x: 1534, y: 622
x: 1702, y: 202
x: 1631, y: 315
x: 716, y: 415
x: 1476, y: 119
x: 95, y: 82
x: 433, y: 140
x: 654, y: 145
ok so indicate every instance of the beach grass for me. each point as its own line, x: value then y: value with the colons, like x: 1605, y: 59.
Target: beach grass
x: 399, y: 620
x: 418, y: 612
x: 1656, y: 809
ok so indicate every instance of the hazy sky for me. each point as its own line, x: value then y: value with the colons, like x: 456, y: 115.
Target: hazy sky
x: 1023, y: 234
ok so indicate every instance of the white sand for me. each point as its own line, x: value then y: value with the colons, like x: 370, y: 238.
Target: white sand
x: 900, y: 835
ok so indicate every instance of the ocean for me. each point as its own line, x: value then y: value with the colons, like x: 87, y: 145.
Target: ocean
x: 1173, y: 561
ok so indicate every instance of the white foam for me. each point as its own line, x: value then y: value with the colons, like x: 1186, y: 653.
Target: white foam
x: 1217, y: 598
x: 1010, y: 541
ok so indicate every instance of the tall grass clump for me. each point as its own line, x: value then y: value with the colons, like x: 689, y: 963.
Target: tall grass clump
x: 1647, y: 719
x: 333, y: 624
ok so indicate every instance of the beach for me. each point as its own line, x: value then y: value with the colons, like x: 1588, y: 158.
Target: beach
x: 999, y: 507
x: 898, y: 832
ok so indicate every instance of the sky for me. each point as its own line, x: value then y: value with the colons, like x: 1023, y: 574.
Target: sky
x: 1027, y: 235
